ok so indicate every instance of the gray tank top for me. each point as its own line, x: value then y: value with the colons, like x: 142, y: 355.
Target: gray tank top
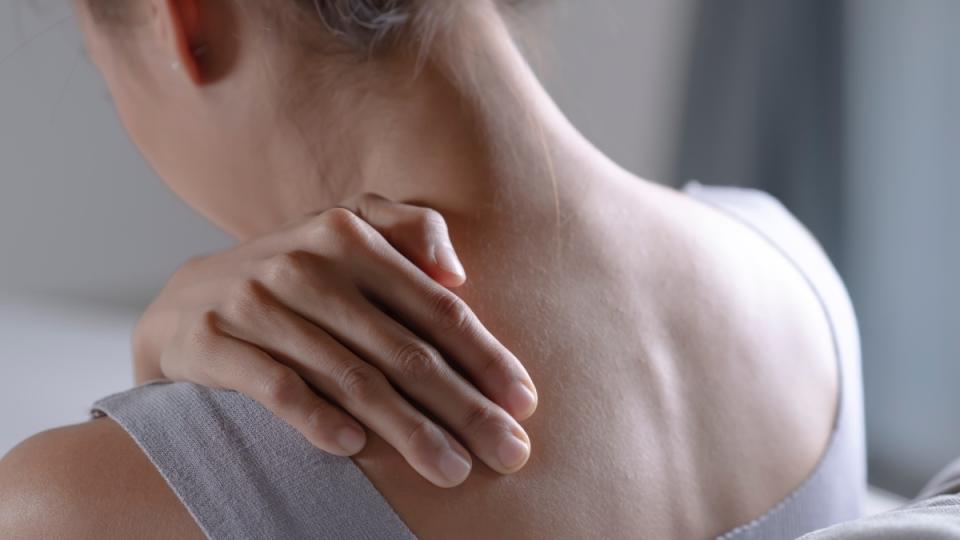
x: 242, y: 473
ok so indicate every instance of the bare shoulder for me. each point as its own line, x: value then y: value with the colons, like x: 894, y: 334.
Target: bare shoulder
x: 753, y: 346
x: 87, y: 481
x: 780, y: 381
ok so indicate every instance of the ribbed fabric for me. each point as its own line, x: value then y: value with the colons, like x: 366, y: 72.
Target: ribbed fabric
x: 947, y: 482
x: 244, y: 474
x: 936, y: 518
x: 933, y: 515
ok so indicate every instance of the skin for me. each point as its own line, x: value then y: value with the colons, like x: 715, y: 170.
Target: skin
x: 685, y: 370
x: 309, y: 320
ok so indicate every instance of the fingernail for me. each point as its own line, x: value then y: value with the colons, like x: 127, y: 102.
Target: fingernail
x: 453, y: 467
x: 513, y: 452
x: 351, y: 440
x: 448, y: 261
x: 521, y: 400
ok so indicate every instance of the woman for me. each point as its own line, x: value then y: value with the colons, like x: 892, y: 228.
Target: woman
x: 696, y: 364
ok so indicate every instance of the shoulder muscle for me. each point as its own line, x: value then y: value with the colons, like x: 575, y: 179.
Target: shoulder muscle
x: 87, y: 481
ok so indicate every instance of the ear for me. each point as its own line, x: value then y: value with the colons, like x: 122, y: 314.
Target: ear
x: 183, y: 25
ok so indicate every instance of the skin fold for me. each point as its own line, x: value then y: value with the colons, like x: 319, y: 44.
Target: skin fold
x: 684, y: 370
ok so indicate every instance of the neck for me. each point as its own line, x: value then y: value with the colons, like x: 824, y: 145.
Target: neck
x: 487, y: 141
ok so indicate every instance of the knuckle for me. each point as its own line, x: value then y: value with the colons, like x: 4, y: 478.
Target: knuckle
x: 433, y: 220
x: 361, y: 382
x: 203, y: 332
x: 478, y: 416
x: 320, y: 415
x: 343, y: 221
x: 279, y: 388
x: 421, y: 433
x: 284, y: 271
x: 450, y: 312
x: 495, y: 364
x: 244, y: 301
x: 416, y: 360
x: 340, y: 229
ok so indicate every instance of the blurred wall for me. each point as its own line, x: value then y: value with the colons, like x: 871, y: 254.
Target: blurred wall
x: 846, y: 110
x: 903, y: 252
x: 849, y: 112
x: 88, y: 234
x: 82, y: 217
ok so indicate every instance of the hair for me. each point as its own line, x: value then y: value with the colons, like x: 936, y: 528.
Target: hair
x: 359, y: 24
x: 362, y: 22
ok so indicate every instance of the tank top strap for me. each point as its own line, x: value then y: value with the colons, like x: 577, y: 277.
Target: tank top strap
x: 835, y: 489
x: 243, y: 474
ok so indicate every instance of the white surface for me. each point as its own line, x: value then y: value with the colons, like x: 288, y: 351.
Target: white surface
x: 55, y: 360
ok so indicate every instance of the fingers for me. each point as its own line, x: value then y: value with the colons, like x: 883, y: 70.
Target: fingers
x: 429, y: 309
x: 422, y: 374
x: 236, y: 365
x: 419, y: 234
x: 362, y: 390
x: 443, y: 319
x: 413, y: 366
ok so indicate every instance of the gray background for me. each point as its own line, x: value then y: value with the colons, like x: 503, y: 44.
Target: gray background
x: 849, y: 112
x: 81, y: 216
x: 844, y: 109
x: 88, y: 234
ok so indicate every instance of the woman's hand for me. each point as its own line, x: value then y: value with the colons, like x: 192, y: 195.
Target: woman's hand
x: 326, y: 324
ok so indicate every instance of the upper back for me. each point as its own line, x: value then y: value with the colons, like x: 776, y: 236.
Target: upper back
x: 686, y: 366
x: 688, y: 384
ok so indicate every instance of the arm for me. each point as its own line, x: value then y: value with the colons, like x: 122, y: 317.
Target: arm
x: 87, y: 481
